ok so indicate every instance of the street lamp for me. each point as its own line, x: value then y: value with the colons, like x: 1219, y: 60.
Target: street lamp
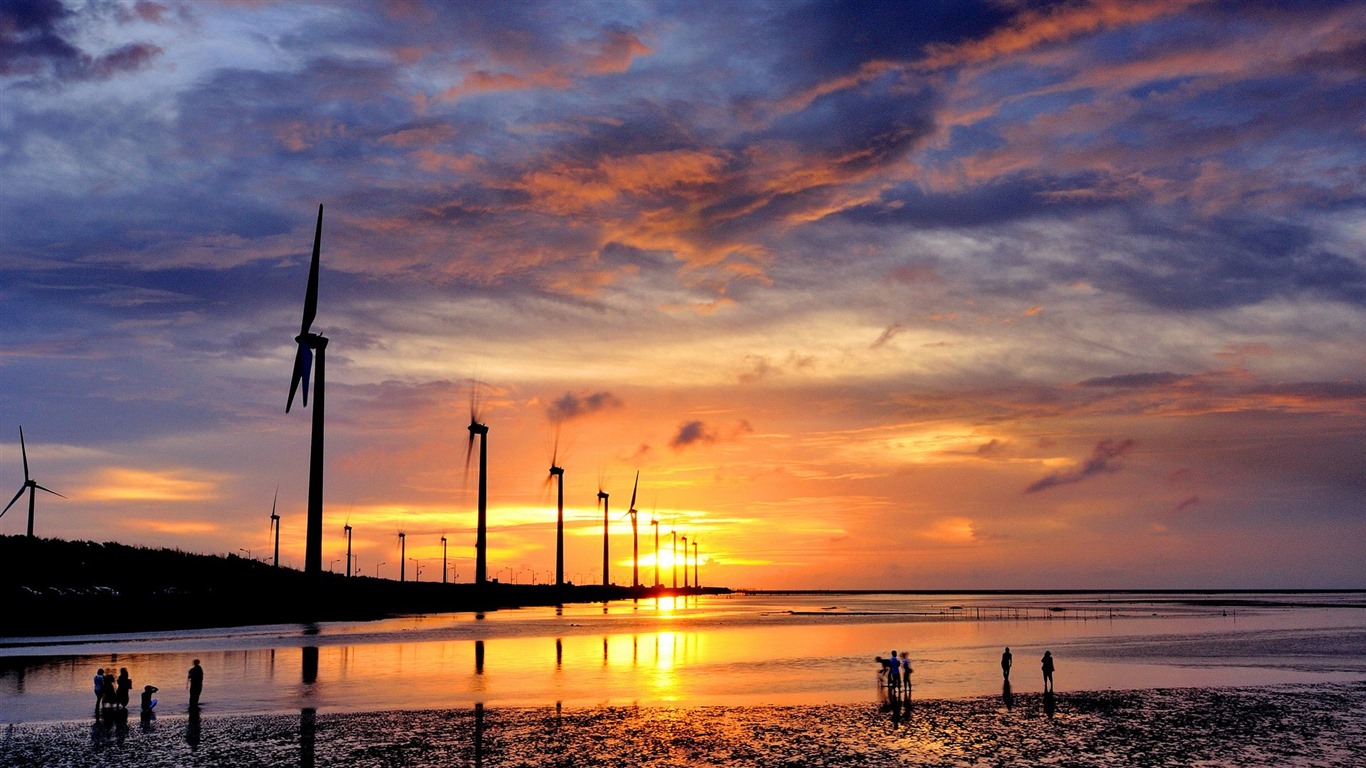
x: 377, y: 565
x: 334, y: 562
x: 417, y: 568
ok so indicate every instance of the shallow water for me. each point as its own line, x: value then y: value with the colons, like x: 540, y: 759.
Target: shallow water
x: 733, y: 650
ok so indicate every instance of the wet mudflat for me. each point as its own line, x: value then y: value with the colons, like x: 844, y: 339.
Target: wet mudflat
x: 1294, y: 725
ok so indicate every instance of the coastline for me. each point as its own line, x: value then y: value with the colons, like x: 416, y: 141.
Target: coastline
x: 1297, y: 725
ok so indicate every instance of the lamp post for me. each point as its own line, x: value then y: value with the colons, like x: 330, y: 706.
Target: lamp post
x: 417, y: 568
x: 333, y: 563
x: 377, y: 565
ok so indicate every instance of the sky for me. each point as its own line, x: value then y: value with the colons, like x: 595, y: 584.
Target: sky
x: 931, y: 295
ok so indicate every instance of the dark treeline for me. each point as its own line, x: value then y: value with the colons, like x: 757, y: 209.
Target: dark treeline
x: 57, y: 587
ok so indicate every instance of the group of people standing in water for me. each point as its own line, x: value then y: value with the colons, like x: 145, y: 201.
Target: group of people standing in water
x: 112, y: 692
x: 895, y: 671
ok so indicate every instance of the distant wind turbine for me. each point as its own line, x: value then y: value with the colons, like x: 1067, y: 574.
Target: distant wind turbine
x: 635, y: 538
x: 275, y: 525
x: 696, y: 578
x: 685, y: 561
x: 402, y: 556
x: 29, y: 485
x: 347, y: 530
x: 557, y: 472
x: 481, y: 535
x: 655, y: 523
x: 674, y: 561
x: 606, y: 518
x: 309, y: 343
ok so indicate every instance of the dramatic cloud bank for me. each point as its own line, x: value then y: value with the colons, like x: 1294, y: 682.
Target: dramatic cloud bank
x: 914, y: 295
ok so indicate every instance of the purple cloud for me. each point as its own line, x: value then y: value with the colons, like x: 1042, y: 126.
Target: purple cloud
x: 691, y: 433
x: 571, y: 406
x: 1102, y: 460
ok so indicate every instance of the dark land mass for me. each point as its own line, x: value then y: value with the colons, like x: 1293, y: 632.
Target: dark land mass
x: 53, y: 587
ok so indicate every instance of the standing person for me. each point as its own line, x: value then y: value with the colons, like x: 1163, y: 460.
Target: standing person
x: 125, y: 684
x: 1047, y: 671
x: 906, y: 673
x: 110, y: 694
x: 195, y: 679
x: 99, y: 688
x: 1006, y: 661
x: 893, y: 673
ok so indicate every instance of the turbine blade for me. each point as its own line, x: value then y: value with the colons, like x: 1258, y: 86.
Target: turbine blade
x: 22, y: 488
x: 23, y: 450
x: 311, y: 297
x: 49, y: 490
x: 633, y: 491
x: 297, y: 377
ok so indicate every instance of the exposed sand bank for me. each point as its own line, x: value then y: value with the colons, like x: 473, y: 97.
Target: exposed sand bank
x: 1318, y: 725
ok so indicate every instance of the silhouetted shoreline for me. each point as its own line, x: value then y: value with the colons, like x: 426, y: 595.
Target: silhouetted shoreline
x: 1320, y: 725
x: 54, y: 587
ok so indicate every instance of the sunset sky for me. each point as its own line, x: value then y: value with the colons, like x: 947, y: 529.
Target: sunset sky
x: 916, y: 295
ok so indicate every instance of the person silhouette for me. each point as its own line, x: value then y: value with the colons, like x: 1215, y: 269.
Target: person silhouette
x: 1006, y: 661
x: 905, y: 673
x: 893, y: 674
x: 195, y: 679
x: 110, y: 688
x: 125, y: 684
x: 99, y: 688
x: 1047, y: 661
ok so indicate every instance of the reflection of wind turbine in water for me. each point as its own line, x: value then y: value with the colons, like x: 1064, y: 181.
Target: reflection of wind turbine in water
x: 557, y: 472
x: 304, y: 363
x: 606, y: 516
x: 481, y: 535
x: 29, y: 485
x: 635, y: 539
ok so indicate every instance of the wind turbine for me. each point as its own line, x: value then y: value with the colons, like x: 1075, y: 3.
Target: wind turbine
x: 606, y: 517
x: 29, y: 485
x: 402, y: 556
x: 481, y: 537
x: 347, y: 530
x: 635, y: 538
x: 696, y: 579
x: 685, y: 561
x: 275, y: 525
x: 557, y: 472
x: 655, y: 523
x: 309, y: 343
x: 674, y: 561
x: 443, y: 558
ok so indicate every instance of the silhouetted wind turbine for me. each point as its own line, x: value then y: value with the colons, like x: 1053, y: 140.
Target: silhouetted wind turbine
x: 29, y: 485
x: 481, y: 536
x: 635, y: 539
x: 402, y: 556
x: 674, y: 560
x: 655, y: 523
x: 696, y: 579
x: 443, y: 558
x: 606, y: 517
x: 304, y: 363
x: 685, y: 561
x: 347, y: 530
x: 275, y: 525
x: 557, y: 472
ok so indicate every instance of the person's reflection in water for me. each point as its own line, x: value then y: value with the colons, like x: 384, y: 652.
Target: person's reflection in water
x: 478, y: 657
x: 1050, y: 705
x: 479, y: 734
x: 1007, y: 695
x: 192, y: 730
x: 308, y: 722
x: 310, y: 664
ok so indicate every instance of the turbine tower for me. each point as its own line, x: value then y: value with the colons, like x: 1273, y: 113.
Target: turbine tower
x: 481, y: 536
x: 606, y: 517
x: 635, y: 538
x: 674, y: 560
x: 696, y: 579
x: 655, y: 523
x: 29, y: 485
x: 347, y: 530
x: 275, y: 526
x: 685, y: 561
x: 402, y: 556
x: 304, y: 363
x: 557, y: 472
